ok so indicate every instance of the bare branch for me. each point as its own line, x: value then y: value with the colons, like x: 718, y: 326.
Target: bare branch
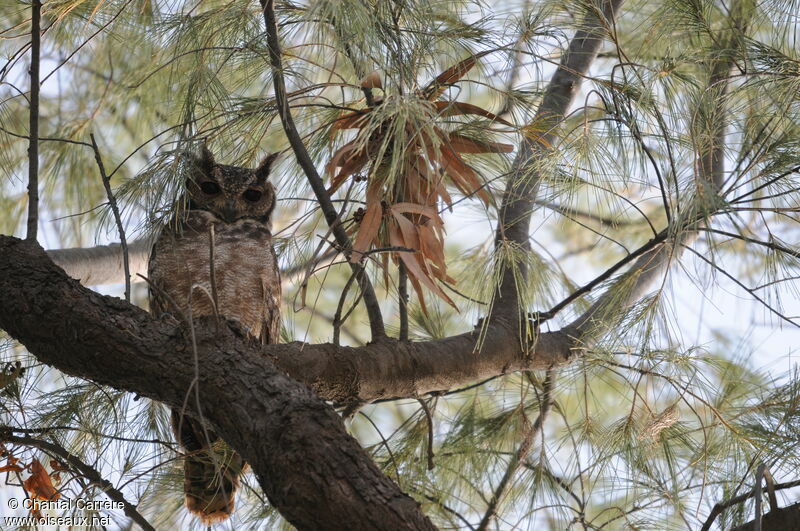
x: 112, y: 202
x: 314, y: 179
x: 33, y: 141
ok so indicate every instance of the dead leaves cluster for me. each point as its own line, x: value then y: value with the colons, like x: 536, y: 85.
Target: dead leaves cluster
x: 402, y: 211
x: 39, y: 485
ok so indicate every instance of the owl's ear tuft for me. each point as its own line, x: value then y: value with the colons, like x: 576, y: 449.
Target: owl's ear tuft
x: 262, y: 172
x: 206, y: 156
x: 204, y: 162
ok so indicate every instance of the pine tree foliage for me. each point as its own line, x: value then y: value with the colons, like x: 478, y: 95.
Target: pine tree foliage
x: 645, y: 431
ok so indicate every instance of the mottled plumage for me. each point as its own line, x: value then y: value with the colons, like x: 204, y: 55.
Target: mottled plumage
x: 231, y: 207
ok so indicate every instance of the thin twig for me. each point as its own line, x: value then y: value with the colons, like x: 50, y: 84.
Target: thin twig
x: 330, y: 254
x: 769, y: 245
x: 429, y: 417
x: 744, y: 287
x: 304, y: 160
x: 392, y: 249
x: 439, y: 503
x: 602, y: 220
x: 33, y: 142
x: 44, y: 138
x: 385, y: 445
x: 85, y: 470
x: 402, y: 295
x: 48, y: 429
x: 522, y: 452
x: 112, y: 202
x: 337, y: 317
x: 310, y: 266
x: 589, y: 286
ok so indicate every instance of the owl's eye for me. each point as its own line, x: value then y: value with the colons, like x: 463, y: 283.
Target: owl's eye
x: 210, y: 187
x: 252, y: 195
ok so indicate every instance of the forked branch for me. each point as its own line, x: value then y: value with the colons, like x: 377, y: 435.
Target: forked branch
x: 522, y: 185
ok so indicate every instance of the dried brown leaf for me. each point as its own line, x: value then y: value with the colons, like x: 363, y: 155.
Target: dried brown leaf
x: 432, y: 246
x: 459, y: 108
x: 368, y: 229
x: 451, y: 75
x: 372, y: 80
x: 350, y: 160
x: 462, y: 144
x: 39, y: 485
x: 411, y: 208
x: 351, y: 120
x: 415, y: 272
x: 464, y: 177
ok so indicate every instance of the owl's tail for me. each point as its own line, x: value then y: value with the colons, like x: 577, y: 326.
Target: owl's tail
x: 211, y: 471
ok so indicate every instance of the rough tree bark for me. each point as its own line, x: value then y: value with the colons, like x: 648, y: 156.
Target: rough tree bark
x: 780, y: 519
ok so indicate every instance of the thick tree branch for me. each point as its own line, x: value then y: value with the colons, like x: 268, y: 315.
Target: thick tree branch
x: 399, y: 369
x: 783, y: 518
x: 519, y: 200
x: 295, y: 443
x: 103, y: 264
x: 721, y: 506
x: 314, y: 179
x: 343, y: 374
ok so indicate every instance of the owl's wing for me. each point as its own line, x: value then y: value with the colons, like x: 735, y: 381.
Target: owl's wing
x: 271, y: 288
x: 158, y: 306
x: 271, y: 332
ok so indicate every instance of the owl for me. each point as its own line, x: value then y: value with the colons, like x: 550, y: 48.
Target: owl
x: 216, y: 259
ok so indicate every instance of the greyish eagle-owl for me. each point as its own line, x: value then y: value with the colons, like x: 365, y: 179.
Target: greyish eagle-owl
x: 216, y: 258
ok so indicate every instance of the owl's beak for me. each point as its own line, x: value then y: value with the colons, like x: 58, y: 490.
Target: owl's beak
x: 229, y: 211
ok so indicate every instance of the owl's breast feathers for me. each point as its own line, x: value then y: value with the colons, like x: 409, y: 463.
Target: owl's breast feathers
x: 247, y: 280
